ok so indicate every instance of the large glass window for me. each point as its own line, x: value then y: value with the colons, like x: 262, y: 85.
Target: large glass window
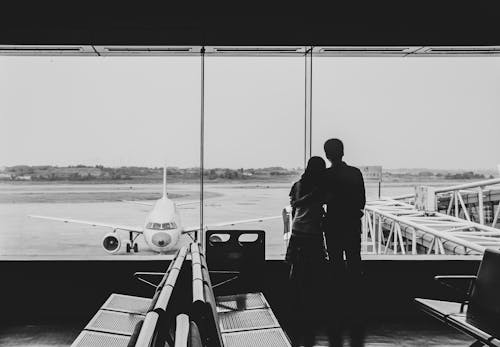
x: 254, y: 141
x: 424, y: 120
x: 79, y: 135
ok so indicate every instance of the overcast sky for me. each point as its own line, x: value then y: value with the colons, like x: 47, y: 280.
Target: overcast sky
x: 396, y: 112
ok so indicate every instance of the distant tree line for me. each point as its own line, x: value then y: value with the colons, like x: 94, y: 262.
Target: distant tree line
x: 99, y: 172
x: 466, y: 175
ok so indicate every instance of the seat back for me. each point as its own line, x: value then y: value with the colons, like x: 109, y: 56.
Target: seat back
x: 235, y: 250
x: 486, y: 293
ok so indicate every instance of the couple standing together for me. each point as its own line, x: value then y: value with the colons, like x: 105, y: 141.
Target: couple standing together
x: 324, y: 248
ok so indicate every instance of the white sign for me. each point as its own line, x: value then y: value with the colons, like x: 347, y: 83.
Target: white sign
x: 371, y: 173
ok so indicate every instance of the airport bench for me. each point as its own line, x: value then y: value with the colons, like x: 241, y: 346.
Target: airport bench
x: 231, y: 321
x: 478, y: 314
x: 125, y: 320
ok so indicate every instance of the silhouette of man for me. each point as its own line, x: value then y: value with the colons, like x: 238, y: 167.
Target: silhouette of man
x: 344, y: 191
x: 345, y: 198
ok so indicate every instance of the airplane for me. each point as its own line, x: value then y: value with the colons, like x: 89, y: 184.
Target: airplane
x: 161, y: 230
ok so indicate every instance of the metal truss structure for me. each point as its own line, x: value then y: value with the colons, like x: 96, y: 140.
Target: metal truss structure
x: 392, y: 226
x: 475, y: 202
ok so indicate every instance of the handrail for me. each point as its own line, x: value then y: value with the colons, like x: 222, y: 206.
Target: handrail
x: 438, y: 190
x: 424, y: 228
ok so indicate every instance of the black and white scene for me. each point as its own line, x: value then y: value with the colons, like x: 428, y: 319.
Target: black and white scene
x: 201, y: 175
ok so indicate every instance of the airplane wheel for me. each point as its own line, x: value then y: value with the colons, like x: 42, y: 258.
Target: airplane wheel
x: 128, y: 248
x: 136, y: 248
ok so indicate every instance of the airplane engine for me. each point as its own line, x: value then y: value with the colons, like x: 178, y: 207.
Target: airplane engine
x: 111, y: 243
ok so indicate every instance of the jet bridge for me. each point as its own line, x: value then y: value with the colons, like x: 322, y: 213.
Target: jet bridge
x: 395, y: 227
x: 476, y: 201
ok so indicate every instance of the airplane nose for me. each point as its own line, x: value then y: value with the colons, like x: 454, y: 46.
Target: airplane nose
x: 161, y: 239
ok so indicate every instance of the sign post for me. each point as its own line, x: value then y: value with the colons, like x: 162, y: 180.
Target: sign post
x: 373, y: 173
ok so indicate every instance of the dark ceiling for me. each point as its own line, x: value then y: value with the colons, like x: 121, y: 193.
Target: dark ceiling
x: 246, y: 23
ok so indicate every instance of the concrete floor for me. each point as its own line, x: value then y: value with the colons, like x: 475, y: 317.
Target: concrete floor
x: 427, y: 333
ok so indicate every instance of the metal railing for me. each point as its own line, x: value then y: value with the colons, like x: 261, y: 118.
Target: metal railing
x: 458, y: 197
x: 391, y: 226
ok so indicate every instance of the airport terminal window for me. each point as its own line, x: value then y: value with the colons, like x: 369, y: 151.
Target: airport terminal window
x: 254, y: 141
x: 421, y: 119
x: 86, y: 138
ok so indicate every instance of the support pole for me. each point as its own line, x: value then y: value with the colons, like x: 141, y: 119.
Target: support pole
x: 307, y: 104
x: 201, y: 232
x: 305, y: 109
x: 310, y: 100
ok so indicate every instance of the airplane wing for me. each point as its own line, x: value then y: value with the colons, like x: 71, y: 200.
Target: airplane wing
x: 138, y: 202
x: 184, y: 203
x: 223, y: 224
x: 151, y: 204
x: 134, y: 229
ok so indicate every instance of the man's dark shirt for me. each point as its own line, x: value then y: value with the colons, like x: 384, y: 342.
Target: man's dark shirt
x: 344, y: 191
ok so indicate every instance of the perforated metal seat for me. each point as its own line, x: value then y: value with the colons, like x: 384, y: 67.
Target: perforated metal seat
x: 256, y: 338
x: 247, y: 320
x: 241, y: 302
x: 114, y: 322
x: 94, y: 339
x: 438, y: 308
x: 127, y: 303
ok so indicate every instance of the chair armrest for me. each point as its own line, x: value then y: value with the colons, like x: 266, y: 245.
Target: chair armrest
x: 455, y: 277
x: 446, y: 279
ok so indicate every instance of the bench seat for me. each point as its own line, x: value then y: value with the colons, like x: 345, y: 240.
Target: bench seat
x: 127, y: 303
x: 256, y: 319
x: 267, y: 337
x: 125, y: 319
x: 479, y: 314
x: 451, y: 314
x: 94, y: 338
x: 241, y: 302
x: 114, y: 322
x: 439, y: 309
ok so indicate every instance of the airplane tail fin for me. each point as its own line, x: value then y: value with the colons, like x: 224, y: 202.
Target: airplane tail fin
x: 165, y: 181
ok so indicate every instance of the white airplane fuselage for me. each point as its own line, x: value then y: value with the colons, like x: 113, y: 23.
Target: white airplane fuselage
x: 163, y: 227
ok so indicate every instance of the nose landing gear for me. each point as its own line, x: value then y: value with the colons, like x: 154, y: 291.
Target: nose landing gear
x: 131, y: 244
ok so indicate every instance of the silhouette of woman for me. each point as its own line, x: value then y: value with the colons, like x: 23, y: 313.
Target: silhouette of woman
x: 306, y: 254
